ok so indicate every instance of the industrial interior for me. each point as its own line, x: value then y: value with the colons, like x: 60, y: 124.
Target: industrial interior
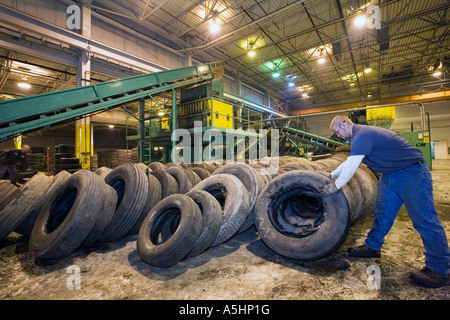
x: 143, y: 115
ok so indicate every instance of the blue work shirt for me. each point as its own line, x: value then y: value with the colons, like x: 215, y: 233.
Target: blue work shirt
x: 385, y: 151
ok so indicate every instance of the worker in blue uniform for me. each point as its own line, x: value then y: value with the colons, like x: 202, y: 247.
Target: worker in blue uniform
x: 406, y: 180
x: 9, y: 160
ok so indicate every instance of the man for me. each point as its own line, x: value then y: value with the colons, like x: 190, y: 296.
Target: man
x: 9, y: 159
x: 405, y: 180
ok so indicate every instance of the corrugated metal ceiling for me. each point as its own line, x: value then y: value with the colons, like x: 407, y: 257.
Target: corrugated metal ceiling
x: 287, y: 36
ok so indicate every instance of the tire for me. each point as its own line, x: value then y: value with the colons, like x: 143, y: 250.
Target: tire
x: 233, y: 198
x: 69, y: 161
x: 249, y: 177
x: 308, y: 234
x: 201, y: 172
x: 195, y: 177
x: 368, y: 189
x: 169, y: 185
x: 19, y: 208
x: 105, y: 216
x: 103, y: 171
x: 131, y: 185
x: 180, y: 175
x: 153, y: 197
x: 155, y: 165
x: 8, y: 192
x: 211, y: 220
x: 178, y: 246
x: 68, y: 217
x: 26, y: 226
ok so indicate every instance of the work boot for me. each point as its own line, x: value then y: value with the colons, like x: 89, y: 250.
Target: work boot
x: 363, y: 252
x: 429, y: 278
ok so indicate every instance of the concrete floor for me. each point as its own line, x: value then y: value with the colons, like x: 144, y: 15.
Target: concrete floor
x: 241, y: 269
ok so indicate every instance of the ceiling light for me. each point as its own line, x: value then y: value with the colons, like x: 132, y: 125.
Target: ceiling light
x: 360, y: 20
x: 367, y: 70
x: 305, y: 95
x: 111, y: 126
x: 214, y: 27
x: 276, y: 74
x: 251, y: 53
x: 321, y: 60
x: 437, y: 74
x: 24, y: 85
x: 291, y: 84
x: 161, y: 113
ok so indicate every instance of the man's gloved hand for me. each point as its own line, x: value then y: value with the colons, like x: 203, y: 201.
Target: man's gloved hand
x: 328, y: 189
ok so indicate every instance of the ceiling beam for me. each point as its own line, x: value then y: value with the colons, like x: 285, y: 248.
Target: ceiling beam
x: 425, y: 97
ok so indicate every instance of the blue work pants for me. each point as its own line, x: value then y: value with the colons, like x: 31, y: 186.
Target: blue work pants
x: 412, y: 187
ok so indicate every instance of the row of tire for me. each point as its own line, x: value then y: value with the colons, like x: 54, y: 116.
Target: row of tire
x: 177, y: 211
x: 65, y: 212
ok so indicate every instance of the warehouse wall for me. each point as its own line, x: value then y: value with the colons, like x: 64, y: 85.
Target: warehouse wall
x: 54, y: 12
x: 405, y: 117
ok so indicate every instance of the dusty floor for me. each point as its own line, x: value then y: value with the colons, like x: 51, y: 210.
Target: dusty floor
x: 241, y: 269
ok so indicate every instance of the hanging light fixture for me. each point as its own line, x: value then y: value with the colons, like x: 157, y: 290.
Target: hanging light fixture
x: 214, y: 27
x: 360, y: 20
x: 24, y: 84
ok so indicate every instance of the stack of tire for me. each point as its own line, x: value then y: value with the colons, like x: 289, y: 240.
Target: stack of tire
x: 180, y: 211
x: 37, y: 160
x: 295, y: 221
x: 66, y: 212
x: 215, y: 209
x: 94, y: 162
x: 65, y: 159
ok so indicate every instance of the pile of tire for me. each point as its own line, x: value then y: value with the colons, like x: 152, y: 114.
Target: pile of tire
x: 179, y: 210
x: 295, y: 221
x: 218, y: 205
x: 65, y: 160
x: 64, y: 213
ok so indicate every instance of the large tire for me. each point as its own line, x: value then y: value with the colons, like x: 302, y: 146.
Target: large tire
x: 293, y: 220
x: 131, y: 185
x: 103, y: 171
x: 26, y: 226
x: 368, y: 187
x: 233, y: 197
x: 156, y: 165
x: 211, y: 221
x: 105, y: 216
x: 180, y: 175
x: 153, y: 197
x: 201, y: 172
x: 178, y: 246
x: 19, y: 208
x: 168, y: 183
x: 252, y: 181
x: 68, y: 216
x: 8, y: 192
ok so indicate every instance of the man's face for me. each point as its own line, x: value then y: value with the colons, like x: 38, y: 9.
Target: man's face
x: 342, y: 130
